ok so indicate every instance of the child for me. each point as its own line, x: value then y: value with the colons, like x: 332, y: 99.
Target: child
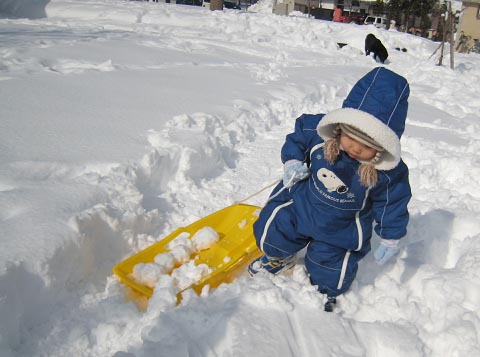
x: 342, y: 172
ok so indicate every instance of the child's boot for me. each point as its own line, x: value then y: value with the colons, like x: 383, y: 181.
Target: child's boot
x: 330, y: 304
x: 272, y: 265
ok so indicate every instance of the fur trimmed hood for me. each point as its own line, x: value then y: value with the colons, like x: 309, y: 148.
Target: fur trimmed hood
x: 377, y: 105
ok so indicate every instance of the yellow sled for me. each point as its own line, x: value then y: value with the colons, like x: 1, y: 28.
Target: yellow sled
x: 227, y: 257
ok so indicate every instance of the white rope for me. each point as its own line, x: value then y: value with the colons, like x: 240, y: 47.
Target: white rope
x: 272, y: 184
x: 283, y: 188
x: 258, y: 192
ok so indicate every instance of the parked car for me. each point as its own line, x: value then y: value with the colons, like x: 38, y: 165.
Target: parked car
x: 226, y: 4
x: 189, y: 2
x: 377, y: 21
x: 231, y: 5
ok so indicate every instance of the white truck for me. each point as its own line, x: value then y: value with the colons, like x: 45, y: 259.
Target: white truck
x: 377, y: 21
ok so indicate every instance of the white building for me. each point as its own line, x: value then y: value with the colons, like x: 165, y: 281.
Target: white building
x: 323, y: 8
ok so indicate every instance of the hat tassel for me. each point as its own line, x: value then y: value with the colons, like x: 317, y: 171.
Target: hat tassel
x: 331, y: 149
x: 367, y: 171
x: 368, y: 174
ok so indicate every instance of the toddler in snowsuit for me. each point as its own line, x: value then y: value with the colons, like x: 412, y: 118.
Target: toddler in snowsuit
x: 342, y: 173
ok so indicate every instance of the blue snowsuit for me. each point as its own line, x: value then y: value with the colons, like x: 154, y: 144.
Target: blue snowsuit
x: 331, y: 212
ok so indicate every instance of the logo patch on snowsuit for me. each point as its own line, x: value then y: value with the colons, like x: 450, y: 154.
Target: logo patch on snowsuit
x: 337, y: 185
x: 331, y: 181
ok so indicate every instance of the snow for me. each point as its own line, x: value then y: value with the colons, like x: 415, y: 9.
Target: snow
x: 122, y: 121
x: 204, y: 238
x: 182, y: 251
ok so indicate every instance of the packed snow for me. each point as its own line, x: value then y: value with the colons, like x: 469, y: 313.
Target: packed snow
x: 122, y: 121
x: 181, y: 252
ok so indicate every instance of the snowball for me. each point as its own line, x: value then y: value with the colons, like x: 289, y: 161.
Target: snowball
x: 181, y: 254
x: 148, y: 274
x: 166, y: 260
x: 205, y: 237
x: 165, y: 281
x: 189, y: 274
x: 137, y: 271
x: 183, y: 239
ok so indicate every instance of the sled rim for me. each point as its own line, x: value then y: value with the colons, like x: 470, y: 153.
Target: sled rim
x: 234, y: 250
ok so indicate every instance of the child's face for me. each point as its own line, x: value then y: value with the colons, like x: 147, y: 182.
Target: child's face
x: 355, y: 149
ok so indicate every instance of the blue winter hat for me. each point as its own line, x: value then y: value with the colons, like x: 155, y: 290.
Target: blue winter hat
x: 377, y: 106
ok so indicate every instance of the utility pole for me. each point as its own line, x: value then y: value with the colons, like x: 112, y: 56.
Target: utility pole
x: 449, y: 28
x: 442, y: 45
x: 451, y: 19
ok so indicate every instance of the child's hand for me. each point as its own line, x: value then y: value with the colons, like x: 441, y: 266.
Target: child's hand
x: 386, y: 250
x: 294, y: 171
